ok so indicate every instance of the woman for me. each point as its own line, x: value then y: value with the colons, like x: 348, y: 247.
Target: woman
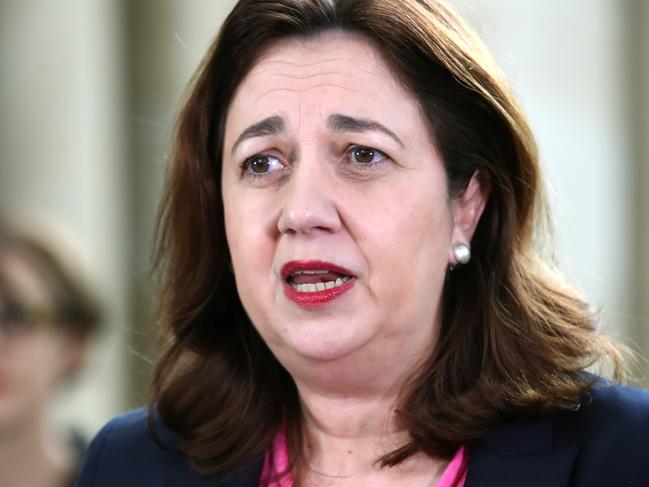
x: 47, y: 313
x: 351, y: 283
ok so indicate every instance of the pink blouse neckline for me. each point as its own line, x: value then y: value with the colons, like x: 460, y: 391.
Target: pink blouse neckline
x: 454, y: 475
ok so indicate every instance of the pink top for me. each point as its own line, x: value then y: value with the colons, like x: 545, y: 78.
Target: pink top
x: 453, y: 476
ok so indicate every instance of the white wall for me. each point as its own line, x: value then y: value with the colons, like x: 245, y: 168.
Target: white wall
x: 567, y: 63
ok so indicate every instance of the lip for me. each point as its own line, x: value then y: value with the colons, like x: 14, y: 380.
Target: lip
x: 316, y: 299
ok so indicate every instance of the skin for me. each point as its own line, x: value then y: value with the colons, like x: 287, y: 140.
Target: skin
x: 33, y: 363
x: 391, y: 222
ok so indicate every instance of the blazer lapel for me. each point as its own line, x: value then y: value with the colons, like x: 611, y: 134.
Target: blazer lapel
x: 522, y: 453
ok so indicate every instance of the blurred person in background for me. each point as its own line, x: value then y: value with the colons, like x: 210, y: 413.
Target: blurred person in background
x: 47, y: 314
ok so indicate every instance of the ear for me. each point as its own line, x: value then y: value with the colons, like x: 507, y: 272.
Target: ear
x: 467, y: 210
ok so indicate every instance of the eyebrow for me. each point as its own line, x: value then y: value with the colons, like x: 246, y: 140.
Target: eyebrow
x: 268, y: 126
x: 344, y: 123
x: 337, y: 122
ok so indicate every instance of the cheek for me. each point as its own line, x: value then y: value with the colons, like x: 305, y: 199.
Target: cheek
x: 406, y: 238
x: 36, y: 366
x: 406, y: 220
x: 251, y: 248
x: 237, y: 219
x: 248, y: 233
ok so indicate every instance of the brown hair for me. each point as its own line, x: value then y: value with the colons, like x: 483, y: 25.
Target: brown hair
x: 514, y: 340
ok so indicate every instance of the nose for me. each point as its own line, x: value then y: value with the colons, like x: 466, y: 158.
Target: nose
x: 308, y: 205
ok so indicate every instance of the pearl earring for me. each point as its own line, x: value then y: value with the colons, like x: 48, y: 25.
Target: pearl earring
x: 462, y: 253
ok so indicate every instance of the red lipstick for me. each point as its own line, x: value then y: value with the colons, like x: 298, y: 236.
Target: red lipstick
x: 340, y: 278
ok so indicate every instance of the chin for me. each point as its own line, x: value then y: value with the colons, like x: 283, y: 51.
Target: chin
x: 322, y: 354
x: 325, y: 342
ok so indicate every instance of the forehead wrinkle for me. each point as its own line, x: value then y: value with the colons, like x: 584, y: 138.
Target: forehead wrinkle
x: 370, y: 66
x: 306, y: 64
x: 333, y: 76
x: 359, y: 76
x: 392, y: 84
x: 304, y: 90
x: 324, y: 73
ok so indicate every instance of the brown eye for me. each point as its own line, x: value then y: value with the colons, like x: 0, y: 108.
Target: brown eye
x: 260, y: 165
x: 363, y: 155
x: 366, y: 157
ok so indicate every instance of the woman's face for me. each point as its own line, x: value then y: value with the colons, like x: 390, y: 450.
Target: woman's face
x: 35, y: 357
x: 336, y: 208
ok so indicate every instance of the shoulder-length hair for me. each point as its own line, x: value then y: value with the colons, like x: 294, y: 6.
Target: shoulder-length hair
x: 514, y: 340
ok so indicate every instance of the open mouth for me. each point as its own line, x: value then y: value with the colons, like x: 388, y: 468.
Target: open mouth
x: 312, y: 281
x: 320, y: 280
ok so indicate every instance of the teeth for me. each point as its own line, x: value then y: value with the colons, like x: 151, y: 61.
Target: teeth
x: 310, y: 273
x: 320, y: 286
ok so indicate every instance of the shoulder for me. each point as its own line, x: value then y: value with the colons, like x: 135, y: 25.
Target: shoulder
x: 611, y: 417
x: 611, y: 430
x: 606, y: 397
x: 125, y: 453
x: 605, y: 441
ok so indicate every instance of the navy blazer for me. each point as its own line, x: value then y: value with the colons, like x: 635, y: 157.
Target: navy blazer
x: 603, y: 443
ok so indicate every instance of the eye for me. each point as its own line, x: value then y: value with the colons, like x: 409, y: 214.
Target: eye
x: 14, y: 320
x: 366, y: 156
x: 261, y: 165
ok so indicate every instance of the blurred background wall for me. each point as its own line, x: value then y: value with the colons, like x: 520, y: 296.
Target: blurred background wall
x: 88, y: 94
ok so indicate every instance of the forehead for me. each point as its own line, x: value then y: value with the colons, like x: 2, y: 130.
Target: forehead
x: 22, y: 279
x: 332, y: 72
x: 329, y: 55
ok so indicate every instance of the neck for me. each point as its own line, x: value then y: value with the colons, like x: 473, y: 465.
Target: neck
x: 359, y: 429
x: 346, y: 436
x: 32, y: 454
x: 350, y: 422
x: 348, y: 404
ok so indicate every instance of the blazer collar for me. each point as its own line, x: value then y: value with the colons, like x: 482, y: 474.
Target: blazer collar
x: 173, y: 468
x: 530, y: 453
x: 522, y: 452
